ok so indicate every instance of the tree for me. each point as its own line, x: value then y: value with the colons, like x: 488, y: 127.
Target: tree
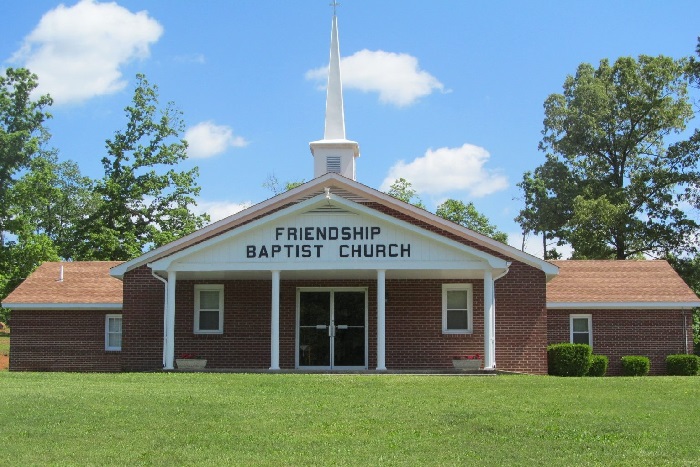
x: 144, y: 202
x: 467, y: 216
x: 403, y: 190
x: 273, y: 184
x: 549, y: 193
x: 50, y: 199
x: 689, y: 269
x: 22, y: 131
x: 622, y: 183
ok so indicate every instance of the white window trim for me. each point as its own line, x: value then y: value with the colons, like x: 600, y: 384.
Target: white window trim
x: 590, y: 327
x: 198, y: 288
x: 107, y: 346
x: 470, y: 308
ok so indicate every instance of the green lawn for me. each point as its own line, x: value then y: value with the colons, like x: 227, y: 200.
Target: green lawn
x: 360, y: 420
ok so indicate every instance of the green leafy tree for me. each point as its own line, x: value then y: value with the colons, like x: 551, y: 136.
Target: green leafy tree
x: 403, y: 189
x: 20, y: 257
x: 689, y: 269
x: 51, y: 198
x: 548, y: 194
x: 466, y: 215
x: 22, y: 131
x: 608, y: 129
x: 144, y: 202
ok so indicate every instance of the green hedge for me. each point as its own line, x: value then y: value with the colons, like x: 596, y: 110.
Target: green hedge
x: 683, y: 365
x: 634, y: 365
x: 569, y: 359
x: 599, y: 365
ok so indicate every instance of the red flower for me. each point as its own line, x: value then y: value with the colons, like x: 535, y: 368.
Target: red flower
x: 467, y: 357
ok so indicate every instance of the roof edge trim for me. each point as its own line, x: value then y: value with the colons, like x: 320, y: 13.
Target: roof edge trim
x: 622, y: 305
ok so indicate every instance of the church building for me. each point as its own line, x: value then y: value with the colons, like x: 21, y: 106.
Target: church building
x: 334, y: 275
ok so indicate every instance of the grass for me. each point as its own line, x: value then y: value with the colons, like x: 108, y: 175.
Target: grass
x: 346, y: 419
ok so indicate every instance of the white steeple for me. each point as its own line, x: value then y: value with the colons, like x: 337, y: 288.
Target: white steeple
x: 334, y: 153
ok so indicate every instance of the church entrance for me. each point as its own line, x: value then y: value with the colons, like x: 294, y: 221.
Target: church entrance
x: 332, y: 328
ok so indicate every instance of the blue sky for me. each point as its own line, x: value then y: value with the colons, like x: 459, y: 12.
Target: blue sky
x: 430, y: 86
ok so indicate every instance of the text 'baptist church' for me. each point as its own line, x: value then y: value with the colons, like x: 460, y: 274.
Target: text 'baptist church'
x: 312, y: 242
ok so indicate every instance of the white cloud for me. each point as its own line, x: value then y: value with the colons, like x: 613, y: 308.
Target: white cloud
x: 206, y: 139
x: 396, y: 77
x: 218, y: 210
x: 77, y: 51
x: 449, y: 169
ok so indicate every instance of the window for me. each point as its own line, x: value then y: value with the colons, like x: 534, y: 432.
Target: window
x: 456, y: 308
x: 208, y: 309
x: 113, y: 332
x: 581, y: 329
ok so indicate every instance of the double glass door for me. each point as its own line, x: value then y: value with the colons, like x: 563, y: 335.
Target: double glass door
x: 332, y: 330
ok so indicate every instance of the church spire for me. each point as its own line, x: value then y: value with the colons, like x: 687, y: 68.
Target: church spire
x: 335, y: 117
x: 334, y: 153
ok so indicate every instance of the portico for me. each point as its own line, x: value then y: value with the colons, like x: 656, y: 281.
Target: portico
x: 328, y: 226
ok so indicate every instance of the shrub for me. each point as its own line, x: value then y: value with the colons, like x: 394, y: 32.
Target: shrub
x: 633, y: 365
x: 599, y: 365
x: 569, y: 359
x: 683, y: 365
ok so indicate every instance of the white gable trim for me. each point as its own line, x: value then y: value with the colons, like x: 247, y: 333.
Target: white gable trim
x: 313, y: 186
x: 622, y: 305
x: 488, y: 261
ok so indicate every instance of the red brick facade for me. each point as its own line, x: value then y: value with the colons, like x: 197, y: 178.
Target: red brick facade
x: 61, y: 340
x: 616, y: 333
x: 414, y: 338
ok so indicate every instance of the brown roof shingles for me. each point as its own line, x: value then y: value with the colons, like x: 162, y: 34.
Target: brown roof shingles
x: 84, y: 282
x: 613, y: 281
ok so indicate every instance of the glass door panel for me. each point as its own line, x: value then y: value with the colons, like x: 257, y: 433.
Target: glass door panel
x: 314, y: 335
x: 349, y: 320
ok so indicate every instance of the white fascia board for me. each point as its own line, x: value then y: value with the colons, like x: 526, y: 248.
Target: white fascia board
x: 328, y: 266
x: 494, y: 262
x: 622, y: 305
x: 63, y: 306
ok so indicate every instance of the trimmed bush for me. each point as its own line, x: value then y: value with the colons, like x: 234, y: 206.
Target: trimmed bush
x: 634, y: 365
x: 683, y: 365
x: 569, y: 359
x: 599, y: 365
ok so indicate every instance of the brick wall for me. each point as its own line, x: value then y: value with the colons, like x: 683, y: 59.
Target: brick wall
x: 60, y: 340
x: 414, y: 337
x: 616, y: 333
x: 142, y: 324
x: 521, y: 320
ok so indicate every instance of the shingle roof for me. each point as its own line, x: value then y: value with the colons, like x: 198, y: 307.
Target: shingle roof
x: 84, y: 282
x: 597, y: 281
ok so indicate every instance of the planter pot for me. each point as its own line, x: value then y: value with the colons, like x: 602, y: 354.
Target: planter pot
x: 191, y: 363
x: 467, y: 364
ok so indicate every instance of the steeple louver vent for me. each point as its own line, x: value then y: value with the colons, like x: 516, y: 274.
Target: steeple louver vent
x: 333, y: 164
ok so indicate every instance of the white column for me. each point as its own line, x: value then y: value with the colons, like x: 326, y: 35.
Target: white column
x: 275, y: 325
x: 381, y: 319
x: 489, y: 323
x: 170, y: 322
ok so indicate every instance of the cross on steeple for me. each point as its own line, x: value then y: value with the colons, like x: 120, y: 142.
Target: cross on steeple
x: 335, y: 5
